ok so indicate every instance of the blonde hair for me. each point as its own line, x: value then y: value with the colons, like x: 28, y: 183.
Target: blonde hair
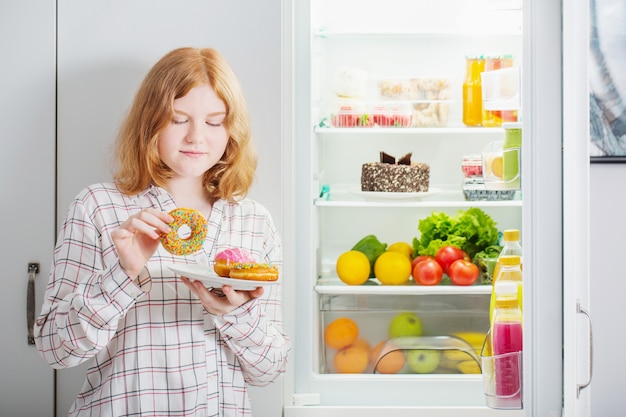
x: 137, y: 157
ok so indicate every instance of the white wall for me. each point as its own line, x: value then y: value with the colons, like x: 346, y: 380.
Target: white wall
x: 608, y: 288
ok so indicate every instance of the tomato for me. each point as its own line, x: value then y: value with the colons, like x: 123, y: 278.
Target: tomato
x: 419, y: 259
x: 448, y: 254
x: 427, y: 272
x: 463, y: 272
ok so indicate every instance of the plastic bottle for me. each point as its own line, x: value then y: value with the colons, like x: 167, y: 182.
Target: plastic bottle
x: 472, y: 91
x: 511, y: 245
x: 512, y: 153
x: 510, y: 269
x: 506, y: 342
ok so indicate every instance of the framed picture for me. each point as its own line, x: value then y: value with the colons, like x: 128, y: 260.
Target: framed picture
x: 607, y: 80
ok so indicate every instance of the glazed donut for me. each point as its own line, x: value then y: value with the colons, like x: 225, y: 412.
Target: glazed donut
x: 226, y: 258
x: 254, y: 271
x: 189, y: 230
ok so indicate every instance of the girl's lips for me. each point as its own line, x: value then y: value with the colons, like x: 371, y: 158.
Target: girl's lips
x: 193, y: 154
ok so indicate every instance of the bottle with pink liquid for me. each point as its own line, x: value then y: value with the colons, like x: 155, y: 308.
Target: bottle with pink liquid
x: 507, y: 345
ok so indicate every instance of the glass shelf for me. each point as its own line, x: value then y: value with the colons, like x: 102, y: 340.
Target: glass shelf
x: 344, y: 195
x: 332, y: 285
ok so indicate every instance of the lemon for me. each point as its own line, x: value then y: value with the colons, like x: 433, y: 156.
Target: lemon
x: 353, y: 267
x: 496, y: 166
x: 392, y: 268
x: 401, y: 247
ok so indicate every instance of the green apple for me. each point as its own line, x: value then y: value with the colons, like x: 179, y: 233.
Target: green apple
x: 405, y: 324
x: 423, y: 361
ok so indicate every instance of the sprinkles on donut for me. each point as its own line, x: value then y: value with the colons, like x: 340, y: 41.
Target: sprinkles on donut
x: 189, y: 230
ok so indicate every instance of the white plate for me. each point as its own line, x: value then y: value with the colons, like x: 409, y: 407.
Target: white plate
x: 206, y: 275
x: 380, y: 195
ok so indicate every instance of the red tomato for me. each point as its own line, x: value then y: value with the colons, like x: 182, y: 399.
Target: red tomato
x: 419, y: 259
x: 448, y: 254
x: 463, y: 272
x: 427, y: 272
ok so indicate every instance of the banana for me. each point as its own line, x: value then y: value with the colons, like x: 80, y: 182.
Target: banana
x: 468, y: 367
x: 451, y: 364
x: 458, y: 355
x: 475, y: 339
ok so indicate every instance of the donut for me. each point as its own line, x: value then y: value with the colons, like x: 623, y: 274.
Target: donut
x: 189, y: 230
x: 226, y: 258
x: 254, y: 271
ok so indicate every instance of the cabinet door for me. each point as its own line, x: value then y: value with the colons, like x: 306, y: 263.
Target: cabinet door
x: 27, y: 176
x: 105, y: 52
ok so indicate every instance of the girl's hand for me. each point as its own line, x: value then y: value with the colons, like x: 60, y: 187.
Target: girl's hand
x: 218, y: 304
x: 137, y: 238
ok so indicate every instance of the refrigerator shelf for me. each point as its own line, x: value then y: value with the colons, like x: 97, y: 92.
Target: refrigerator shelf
x: 348, y: 195
x: 496, y: 131
x: 335, y: 286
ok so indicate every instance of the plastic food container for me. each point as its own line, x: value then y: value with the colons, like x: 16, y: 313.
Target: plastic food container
x: 430, y: 114
x: 472, y: 165
x: 371, y: 114
x: 474, y: 189
x: 425, y: 88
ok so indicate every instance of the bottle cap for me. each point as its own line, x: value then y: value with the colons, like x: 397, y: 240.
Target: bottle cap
x: 511, y: 234
x: 510, y: 260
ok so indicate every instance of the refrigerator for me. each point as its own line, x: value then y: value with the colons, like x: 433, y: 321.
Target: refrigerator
x: 349, y: 45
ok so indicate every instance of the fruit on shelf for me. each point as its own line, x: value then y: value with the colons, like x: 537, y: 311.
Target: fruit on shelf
x: 446, y: 255
x: 391, y: 362
x: 353, y: 359
x: 402, y: 247
x: 353, y: 267
x: 474, y: 339
x: 340, y: 333
x: 463, y: 272
x: 469, y: 367
x: 405, y: 324
x: 392, y: 268
x: 427, y: 272
x: 423, y: 361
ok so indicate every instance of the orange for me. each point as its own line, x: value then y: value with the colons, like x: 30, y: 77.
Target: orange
x: 340, y: 333
x: 353, y: 267
x: 391, y: 363
x: 392, y: 268
x: 496, y: 166
x: 402, y: 247
x: 353, y: 359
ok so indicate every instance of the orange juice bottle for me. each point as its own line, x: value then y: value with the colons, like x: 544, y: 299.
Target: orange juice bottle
x: 472, y: 91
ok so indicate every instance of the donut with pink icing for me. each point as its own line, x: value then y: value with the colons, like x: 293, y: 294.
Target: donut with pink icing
x: 225, y: 259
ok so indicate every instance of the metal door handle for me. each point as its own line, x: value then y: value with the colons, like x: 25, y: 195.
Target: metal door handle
x: 33, y: 269
x: 581, y: 310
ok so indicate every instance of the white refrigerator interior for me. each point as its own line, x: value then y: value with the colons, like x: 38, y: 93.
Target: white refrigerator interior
x: 351, y: 48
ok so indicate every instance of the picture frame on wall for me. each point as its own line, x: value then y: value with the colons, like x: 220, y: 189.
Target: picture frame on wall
x: 607, y: 80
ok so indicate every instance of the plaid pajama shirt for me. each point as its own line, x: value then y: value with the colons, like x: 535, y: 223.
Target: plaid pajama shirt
x: 152, y: 348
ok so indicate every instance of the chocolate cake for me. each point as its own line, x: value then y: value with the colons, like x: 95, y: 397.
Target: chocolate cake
x: 397, y: 177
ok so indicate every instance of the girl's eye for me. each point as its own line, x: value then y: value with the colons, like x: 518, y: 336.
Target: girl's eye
x: 179, y: 121
x: 214, y: 124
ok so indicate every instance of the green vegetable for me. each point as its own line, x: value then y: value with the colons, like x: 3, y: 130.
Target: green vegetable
x: 472, y: 230
x: 486, y: 261
x: 372, y: 248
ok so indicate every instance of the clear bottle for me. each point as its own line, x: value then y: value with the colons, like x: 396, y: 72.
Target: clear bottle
x: 511, y: 245
x: 510, y: 270
x: 506, y: 342
x: 472, y: 91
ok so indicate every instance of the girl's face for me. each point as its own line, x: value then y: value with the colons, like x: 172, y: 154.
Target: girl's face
x: 196, y: 138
